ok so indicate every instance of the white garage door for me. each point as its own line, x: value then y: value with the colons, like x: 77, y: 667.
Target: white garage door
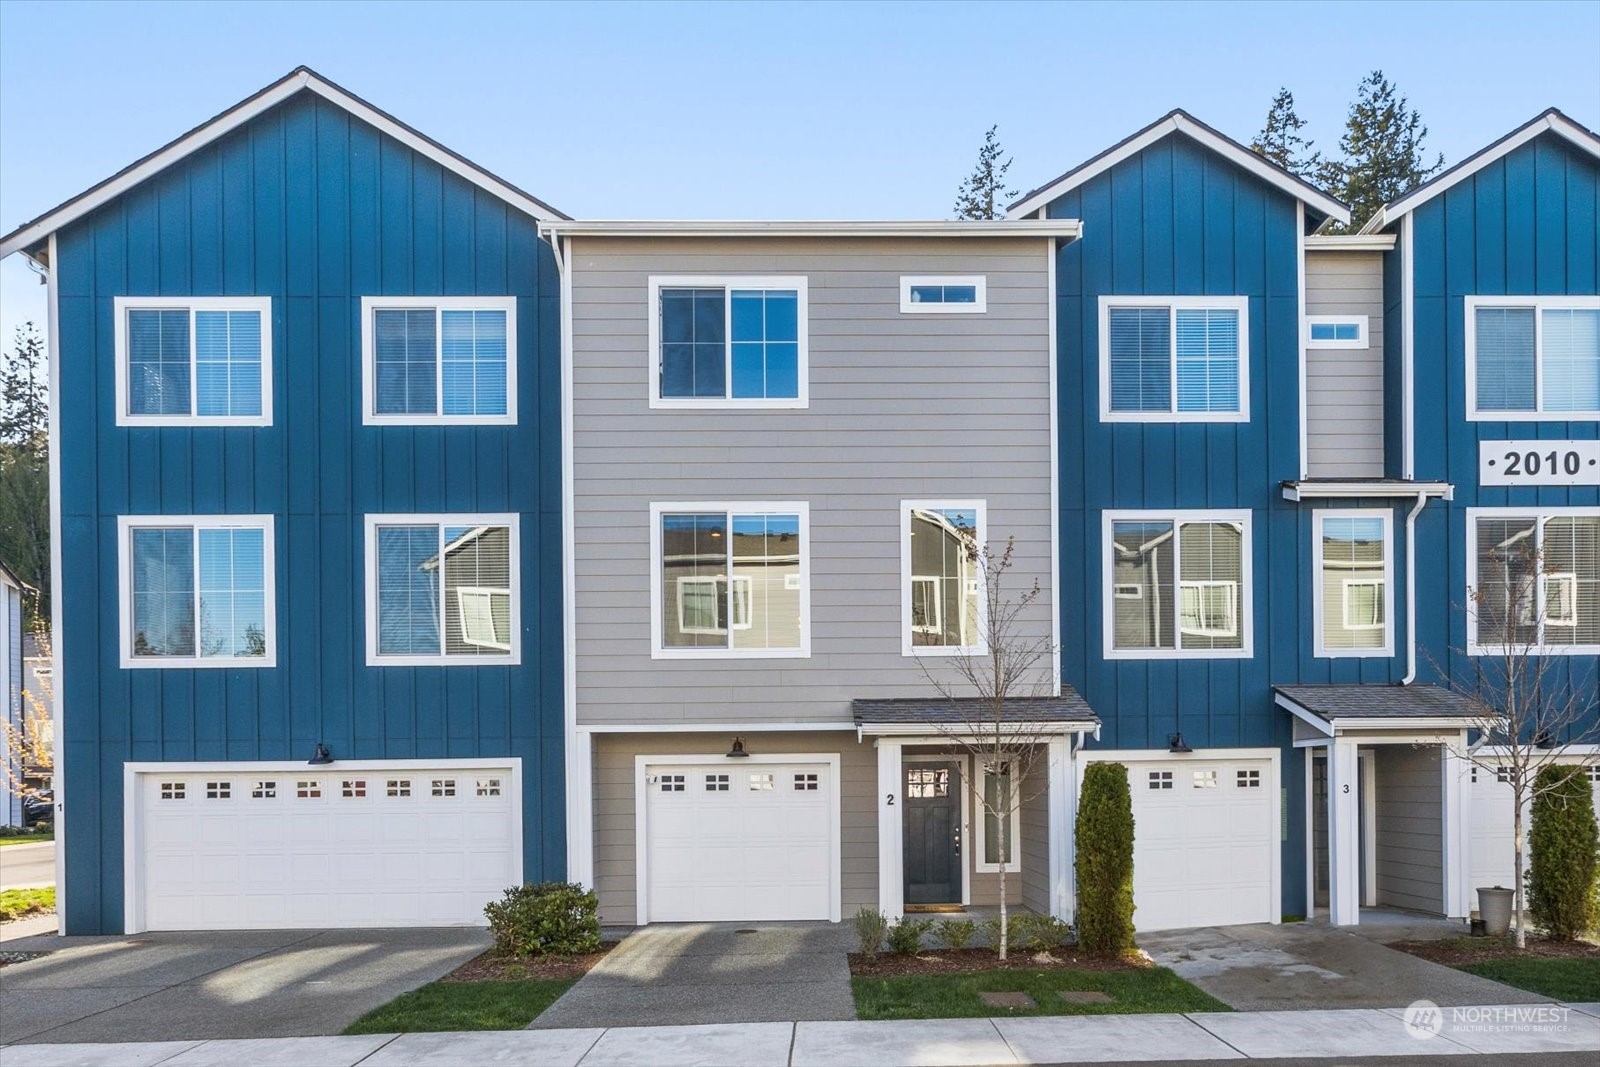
x: 1204, y: 837
x: 739, y: 842
x: 1491, y: 854
x: 240, y: 848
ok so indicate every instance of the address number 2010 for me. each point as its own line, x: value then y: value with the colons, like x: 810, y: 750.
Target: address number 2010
x: 1539, y: 463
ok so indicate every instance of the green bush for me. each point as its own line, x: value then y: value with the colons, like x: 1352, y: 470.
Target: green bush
x: 1105, y: 861
x: 1562, y: 844
x: 955, y: 933
x: 1018, y: 926
x: 871, y: 928
x: 547, y: 919
x: 1046, y: 932
x: 24, y: 831
x: 905, y: 936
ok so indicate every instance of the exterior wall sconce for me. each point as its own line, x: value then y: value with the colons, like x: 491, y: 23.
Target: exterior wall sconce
x: 737, y: 751
x: 1177, y: 745
x: 321, y: 756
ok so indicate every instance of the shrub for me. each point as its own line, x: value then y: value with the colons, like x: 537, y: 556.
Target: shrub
x: 905, y: 936
x: 1046, y: 932
x: 547, y: 919
x: 871, y: 928
x: 1105, y: 861
x: 955, y: 933
x: 1562, y: 843
x: 1017, y: 925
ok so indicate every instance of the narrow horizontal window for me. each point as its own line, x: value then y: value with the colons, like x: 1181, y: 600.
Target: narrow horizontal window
x: 730, y: 581
x: 1336, y: 331
x: 941, y: 551
x: 1533, y: 357
x: 1174, y: 359
x: 1353, y: 576
x: 1533, y: 581
x: 944, y: 294
x: 193, y: 361
x: 1179, y: 585
x: 736, y: 342
x: 442, y: 589
x: 439, y: 359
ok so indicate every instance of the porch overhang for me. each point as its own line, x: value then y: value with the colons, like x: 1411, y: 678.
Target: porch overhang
x: 943, y: 717
x: 1365, y: 489
x: 1335, y: 710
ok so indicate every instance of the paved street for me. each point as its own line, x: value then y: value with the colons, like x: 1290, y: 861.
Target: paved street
x: 23, y: 866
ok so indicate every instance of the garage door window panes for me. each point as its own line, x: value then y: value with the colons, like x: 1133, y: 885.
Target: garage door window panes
x: 197, y: 592
x: 1353, y: 576
x: 442, y: 589
x: 1534, y: 581
x: 1178, y: 586
x: 941, y: 547
x: 731, y: 582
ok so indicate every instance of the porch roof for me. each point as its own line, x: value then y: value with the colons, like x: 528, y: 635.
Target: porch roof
x: 1067, y: 713
x: 1382, y: 707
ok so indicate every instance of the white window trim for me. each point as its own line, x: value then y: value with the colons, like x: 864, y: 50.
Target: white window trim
x: 979, y: 282
x: 1476, y: 648
x: 1362, y: 340
x: 126, y: 524
x: 907, y: 646
x: 439, y: 304
x: 123, y: 304
x: 1241, y: 517
x: 1013, y: 830
x: 796, y: 282
x: 658, y: 648
x: 373, y: 520
x: 1539, y: 304
x: 1320, y: 648
x: 1174, y: 304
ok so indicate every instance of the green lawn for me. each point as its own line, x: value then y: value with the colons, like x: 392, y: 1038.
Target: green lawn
x: 1558, y: 977
x: 26, y: 839
x: 955, y: 996
x: 20, y: 903
x: 463, y: 1006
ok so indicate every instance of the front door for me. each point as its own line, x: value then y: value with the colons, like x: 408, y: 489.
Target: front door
x: 933, y: 833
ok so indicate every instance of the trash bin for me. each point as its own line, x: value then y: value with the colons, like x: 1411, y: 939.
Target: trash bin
x: 1494, y: 905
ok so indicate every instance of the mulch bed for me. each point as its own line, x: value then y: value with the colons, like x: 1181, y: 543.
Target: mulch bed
x: 946, y: 961
x: 1458, y: 951
x: 489, y: 967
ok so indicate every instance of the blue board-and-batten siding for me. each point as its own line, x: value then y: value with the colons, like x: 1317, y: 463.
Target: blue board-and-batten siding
x: 314, y: 208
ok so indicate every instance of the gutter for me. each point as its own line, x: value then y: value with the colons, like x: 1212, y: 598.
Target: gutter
x: 1411, y: 587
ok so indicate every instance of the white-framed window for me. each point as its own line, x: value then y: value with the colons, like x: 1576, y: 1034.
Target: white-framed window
x: 1192, y: 570
x: 941, y: 603
x: 995, y: 780
x: 443, y: 590
x: 1533, y: 581
x: 1352, y: 583
x: 197, y: 590
x: 728, y: 341
x: 944, y: 294
x: 193, y: 360
x: 1533, y: 358
x: 1175, y: 358
x: 1336, y: 331
x: 439, y: 360
x: 730, y: 578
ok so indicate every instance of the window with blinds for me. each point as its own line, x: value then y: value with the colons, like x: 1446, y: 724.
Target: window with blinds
x: 1192, y: 576
x: 1174, y: 359
x: 1534, y: 581
x: 442, y: 589
x: 1352, y: 582
x: 1533, y: 357
x: 197, y: 591
x: 195, y: 361
x: 731, y: 582
x: 439, y: 360
x: 735, y: 341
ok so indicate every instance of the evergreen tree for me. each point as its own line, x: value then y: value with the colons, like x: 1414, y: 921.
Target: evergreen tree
x: 983, y: 194
x: 1280, y: 140
x: 25, y: 469
x: 24, y: 397
x: 1382, y: 147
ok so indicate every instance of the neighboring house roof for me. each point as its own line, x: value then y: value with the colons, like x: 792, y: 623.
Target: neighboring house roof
x: 1377, y: 705
x: 1551, y: 121
x: 1068, y: 708
x: 1068, y: 228
x: 1180, y: 121
x: 29, y: 235
x: 9, y: 577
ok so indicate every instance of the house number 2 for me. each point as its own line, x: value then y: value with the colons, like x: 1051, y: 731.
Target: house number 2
x: 888, y: 799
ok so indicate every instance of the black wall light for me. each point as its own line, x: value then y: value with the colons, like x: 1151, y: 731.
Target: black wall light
x: 321, y: 756
x: 737, y: 751
x: 1176, y: 744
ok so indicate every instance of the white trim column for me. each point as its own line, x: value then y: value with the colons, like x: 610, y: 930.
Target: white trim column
x: 1060, y: 799
x: 1344, y: 837
x: 580, y: 808
x: 891, y: 843
x: 1457, y: 830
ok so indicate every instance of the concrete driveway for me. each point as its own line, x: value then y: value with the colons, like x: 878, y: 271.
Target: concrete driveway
x: 687, y: 973
x: 218, y: 985
x: 26, y: 866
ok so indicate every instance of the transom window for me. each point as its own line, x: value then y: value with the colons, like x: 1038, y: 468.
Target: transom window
x: 1533, y: 357
x: 1533, y: 581
x: 941, y: 550
x: 938, y: 294
x: 926, y: 783
x: 1353, y: 573
x: 728, y: 341
x: 1174, y: 359
x: 1192, y: 572
x: 441, y: 589
x: 439, y: 359
x: 193, y: 361
x: 197, y: 591
x: 1336, y: 331
x: 730, y: 579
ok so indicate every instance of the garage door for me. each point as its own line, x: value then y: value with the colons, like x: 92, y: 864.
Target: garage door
x: 739, y: 842
x: 1492, y: 862
x: 240, y: 848
x: 1204, y: 837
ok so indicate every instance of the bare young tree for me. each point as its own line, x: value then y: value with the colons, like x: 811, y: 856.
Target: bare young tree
x: 993, y: 686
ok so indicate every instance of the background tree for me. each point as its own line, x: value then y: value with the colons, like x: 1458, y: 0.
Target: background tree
x: 1280, y: 140
x: 1382, y: 151
x: 983, y: 194
x: 25, y: 469
x: 24, y: 394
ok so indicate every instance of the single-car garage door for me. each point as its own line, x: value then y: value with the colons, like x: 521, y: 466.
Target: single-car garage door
x: 235, y: 847
x: 1205, y: 834
x: 1492, y: 858
x: 739, y: 842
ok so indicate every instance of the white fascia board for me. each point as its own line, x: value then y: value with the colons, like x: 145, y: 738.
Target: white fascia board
x: 1355, y: 490
x: 1034, y: 228
x: 1350, y: 242
x: 967, y: 730
x: 1310, y: 718
x: 1380, y: 725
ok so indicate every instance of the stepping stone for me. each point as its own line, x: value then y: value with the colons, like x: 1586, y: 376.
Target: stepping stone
x: 1084, y: 996
x: 1007, y: 1000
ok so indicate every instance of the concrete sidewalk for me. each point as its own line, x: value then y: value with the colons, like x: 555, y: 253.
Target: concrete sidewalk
x: 924, y: 1043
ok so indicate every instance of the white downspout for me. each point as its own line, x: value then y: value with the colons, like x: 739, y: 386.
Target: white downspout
x: 1411, y: 588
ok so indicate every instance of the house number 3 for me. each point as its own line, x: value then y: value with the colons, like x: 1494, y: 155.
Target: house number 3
x: 1346, y: 788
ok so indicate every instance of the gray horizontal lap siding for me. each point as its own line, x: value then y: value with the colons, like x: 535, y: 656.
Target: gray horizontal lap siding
x: 919, y: 406
x: 1344, y: 386
x: 1410, y: 820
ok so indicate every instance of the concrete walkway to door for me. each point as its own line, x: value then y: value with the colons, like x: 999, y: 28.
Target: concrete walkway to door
x: 714, y: 973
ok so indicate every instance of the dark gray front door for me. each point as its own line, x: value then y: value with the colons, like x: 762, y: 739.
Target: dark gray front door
x: 933, y: 833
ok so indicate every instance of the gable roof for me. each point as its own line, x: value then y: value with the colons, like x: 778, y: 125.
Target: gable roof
x: 1180, y: 121
x: 1551, y: 121
x: 29, y: 235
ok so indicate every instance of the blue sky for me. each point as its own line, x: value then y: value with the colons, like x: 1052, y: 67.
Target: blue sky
x: 772, y: 110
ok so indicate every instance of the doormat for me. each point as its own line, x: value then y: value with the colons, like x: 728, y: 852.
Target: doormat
x: 934, y: 907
